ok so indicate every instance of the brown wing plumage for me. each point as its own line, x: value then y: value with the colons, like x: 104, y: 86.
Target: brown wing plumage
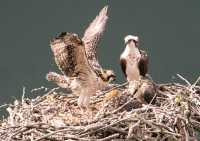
x: 143, y: 63
x: 92, y: 36
x: 123, y: 66
x: 70, y: 57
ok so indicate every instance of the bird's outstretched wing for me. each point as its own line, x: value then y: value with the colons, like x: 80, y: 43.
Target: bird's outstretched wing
x: 60, y: 80
x: 92, y: 36
x: 70, y: 57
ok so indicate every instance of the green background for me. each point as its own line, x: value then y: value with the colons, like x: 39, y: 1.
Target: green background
x: 169, y: 31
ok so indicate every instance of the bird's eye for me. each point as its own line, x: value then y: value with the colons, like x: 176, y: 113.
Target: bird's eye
x: 80, y: 41
x: 136, y: 42
x: 128, y: 41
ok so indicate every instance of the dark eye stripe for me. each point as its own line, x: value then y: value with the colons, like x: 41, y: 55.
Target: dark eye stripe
x: 131, y: 40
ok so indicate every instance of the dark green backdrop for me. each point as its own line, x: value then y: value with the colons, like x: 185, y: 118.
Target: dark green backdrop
x: 169, y: 30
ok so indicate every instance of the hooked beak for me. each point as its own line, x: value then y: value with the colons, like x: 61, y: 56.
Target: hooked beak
x: 112, y: 78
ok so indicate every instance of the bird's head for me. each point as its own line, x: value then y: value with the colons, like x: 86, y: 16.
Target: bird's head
x: 64, y: 39
x: 131, y: 38
x: 108, y: 75
x: 67, y: 37
x: 72, y: 38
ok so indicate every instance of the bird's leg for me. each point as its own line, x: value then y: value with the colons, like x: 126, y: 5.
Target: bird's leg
x: 133, y: 86
x: 83, y: 103
x: 89, y: 110
x: 80, y: 104
x: 85, y: 111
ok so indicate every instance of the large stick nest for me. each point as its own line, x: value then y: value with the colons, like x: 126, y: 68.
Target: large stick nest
x: 172, y: 114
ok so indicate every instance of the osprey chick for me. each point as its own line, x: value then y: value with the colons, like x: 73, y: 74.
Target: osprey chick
x: 91, y: 39
x: 133, y: 61
x: 68, y: 48
x: 70, y: 57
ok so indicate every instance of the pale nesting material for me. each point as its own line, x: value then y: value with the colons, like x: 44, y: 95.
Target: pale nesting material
x: 57, y: 117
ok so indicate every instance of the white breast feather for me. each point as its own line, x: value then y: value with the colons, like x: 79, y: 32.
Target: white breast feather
x: 132, y: 58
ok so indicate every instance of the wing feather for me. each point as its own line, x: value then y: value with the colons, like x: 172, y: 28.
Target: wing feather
x: 143, y: 63
x: 70, y: 57
x: 60, y: 80
x: 92, y: 36
x: 123, y: 66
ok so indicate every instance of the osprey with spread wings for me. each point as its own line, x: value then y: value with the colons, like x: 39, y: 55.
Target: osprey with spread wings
x: 77, y: 60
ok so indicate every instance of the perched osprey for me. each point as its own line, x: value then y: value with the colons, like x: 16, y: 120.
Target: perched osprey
x: 77, y: 60
x: 133, y: 61
x: 134, y: 64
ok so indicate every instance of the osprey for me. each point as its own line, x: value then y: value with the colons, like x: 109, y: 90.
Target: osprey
x: 133, y: 61
x: 77, y: 60
x: 134, y: 64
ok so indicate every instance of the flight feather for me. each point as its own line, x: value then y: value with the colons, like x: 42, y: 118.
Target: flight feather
x: 92, y: 37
